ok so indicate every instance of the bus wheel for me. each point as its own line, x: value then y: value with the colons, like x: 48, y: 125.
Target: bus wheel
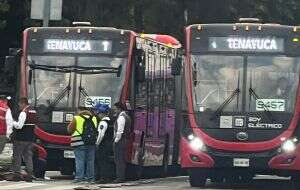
x: 217, y: 179
x: 296, y: 182
x: 165, y: 163
x: 246, y: 178
x: 39, y: 168
x: 67, y: 168
x: 231, y: 180
x: 197, y: 177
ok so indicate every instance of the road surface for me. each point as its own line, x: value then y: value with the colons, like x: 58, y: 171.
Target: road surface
x: 57, y: 182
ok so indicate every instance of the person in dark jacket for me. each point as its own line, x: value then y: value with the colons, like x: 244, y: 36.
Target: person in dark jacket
x: 122, y: 126
x: 23, y: 139
x: 105, y: 144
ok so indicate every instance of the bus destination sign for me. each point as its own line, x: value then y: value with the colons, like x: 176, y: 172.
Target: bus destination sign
x: 246, y: 44
x: 77, y: 46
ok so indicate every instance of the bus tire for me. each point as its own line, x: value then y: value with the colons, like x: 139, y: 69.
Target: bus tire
x: 197, y: 177
x: 140, y: 166
x: 295, y: 182
x: 165, y: 163
x: 67, y: 168
x: 65, y: 171
x: 39, y: 167
x: 39, y: 171
x: 141, y: 159
x: 217, y: 179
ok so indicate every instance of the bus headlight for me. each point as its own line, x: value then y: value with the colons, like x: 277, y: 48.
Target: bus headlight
x: 288, y: 146
x: 196, y: 143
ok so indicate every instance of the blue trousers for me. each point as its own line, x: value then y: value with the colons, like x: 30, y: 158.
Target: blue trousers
x: 85, y: 162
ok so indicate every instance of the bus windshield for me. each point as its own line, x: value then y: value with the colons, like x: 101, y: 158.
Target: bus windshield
x: 215, y: 79
x: 271, y: 82
x: 50, y: 85
x: 100, y: 86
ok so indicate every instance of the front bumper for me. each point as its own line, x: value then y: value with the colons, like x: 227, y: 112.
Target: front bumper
x: 56, y: 158
x: 258, y: 161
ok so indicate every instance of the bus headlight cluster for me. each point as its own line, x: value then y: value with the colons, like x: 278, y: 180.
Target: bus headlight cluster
x: 195, y: 142
x: 289, y: 145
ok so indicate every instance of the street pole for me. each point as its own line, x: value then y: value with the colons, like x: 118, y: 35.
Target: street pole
x: 46, y: 16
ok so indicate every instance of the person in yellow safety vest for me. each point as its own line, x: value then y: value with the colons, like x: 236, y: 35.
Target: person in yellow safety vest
x: 83, y: 129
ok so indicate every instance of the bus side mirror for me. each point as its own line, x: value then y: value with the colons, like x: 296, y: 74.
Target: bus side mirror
x: 194, y: 75
x: 30, y: 76
x: 176, y: 66
x: 140, y: 65
x: 195, y: 82
x: 10, y: 70
x: 140, y: 72
x: 119, y: 71
x: 15, y: 51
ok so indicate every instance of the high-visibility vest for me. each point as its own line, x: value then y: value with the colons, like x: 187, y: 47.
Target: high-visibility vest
x: 76, y: 139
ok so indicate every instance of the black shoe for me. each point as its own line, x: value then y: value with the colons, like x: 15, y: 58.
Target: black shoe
x: 118, y: 181
x: 28, y: 178
x: 102, y: 181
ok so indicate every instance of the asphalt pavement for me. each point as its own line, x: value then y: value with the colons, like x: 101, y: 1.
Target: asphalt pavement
x: 57, y: 182
x: 54, y: 181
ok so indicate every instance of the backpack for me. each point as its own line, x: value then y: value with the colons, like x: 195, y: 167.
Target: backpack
x: 89, y: 133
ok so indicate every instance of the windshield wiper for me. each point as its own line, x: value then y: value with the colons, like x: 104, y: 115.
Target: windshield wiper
x: 76, y: 69
x: 266, y: 109
x: 256, y: 97
x: 225, y: 103
x: 236, y: 92
x: 61, y: 95
x: 81, y: 91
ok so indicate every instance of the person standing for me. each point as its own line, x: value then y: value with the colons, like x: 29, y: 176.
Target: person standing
x: 6, y: 121
x: 23, y: 138
x: 122, y: 127
x: 104, y: 144
x: 9, y: 118
x: 84, y: 135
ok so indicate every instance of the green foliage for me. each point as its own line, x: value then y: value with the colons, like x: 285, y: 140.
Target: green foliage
x: 4, y: 8
x: 148, y: 16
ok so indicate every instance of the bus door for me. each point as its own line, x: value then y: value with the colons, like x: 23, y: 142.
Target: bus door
x: 155, y: 139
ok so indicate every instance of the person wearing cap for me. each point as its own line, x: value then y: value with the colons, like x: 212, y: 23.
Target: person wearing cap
x: 6, y: 121
x: 84, y: 153
x: 104, y: 144
x: 122, y: 128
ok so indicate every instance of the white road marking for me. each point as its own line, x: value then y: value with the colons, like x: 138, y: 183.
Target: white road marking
x: 62, y: 187
x: 19, y: 185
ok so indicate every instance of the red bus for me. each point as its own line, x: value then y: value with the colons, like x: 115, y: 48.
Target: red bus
x: 157, y: 104
x: 242, y: 101
x: 63, y: 68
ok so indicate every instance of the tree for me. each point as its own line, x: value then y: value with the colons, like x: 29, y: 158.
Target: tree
x: 148, y: 16
x: 4, y: 8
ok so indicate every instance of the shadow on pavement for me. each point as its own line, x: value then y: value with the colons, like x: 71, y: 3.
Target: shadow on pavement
x: 258, y: 184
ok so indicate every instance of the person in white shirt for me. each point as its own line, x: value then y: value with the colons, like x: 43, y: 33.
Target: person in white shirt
x: 9, y: 123
x: 23, y: 139
x: 121, y: 132
x: 6, y: 121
